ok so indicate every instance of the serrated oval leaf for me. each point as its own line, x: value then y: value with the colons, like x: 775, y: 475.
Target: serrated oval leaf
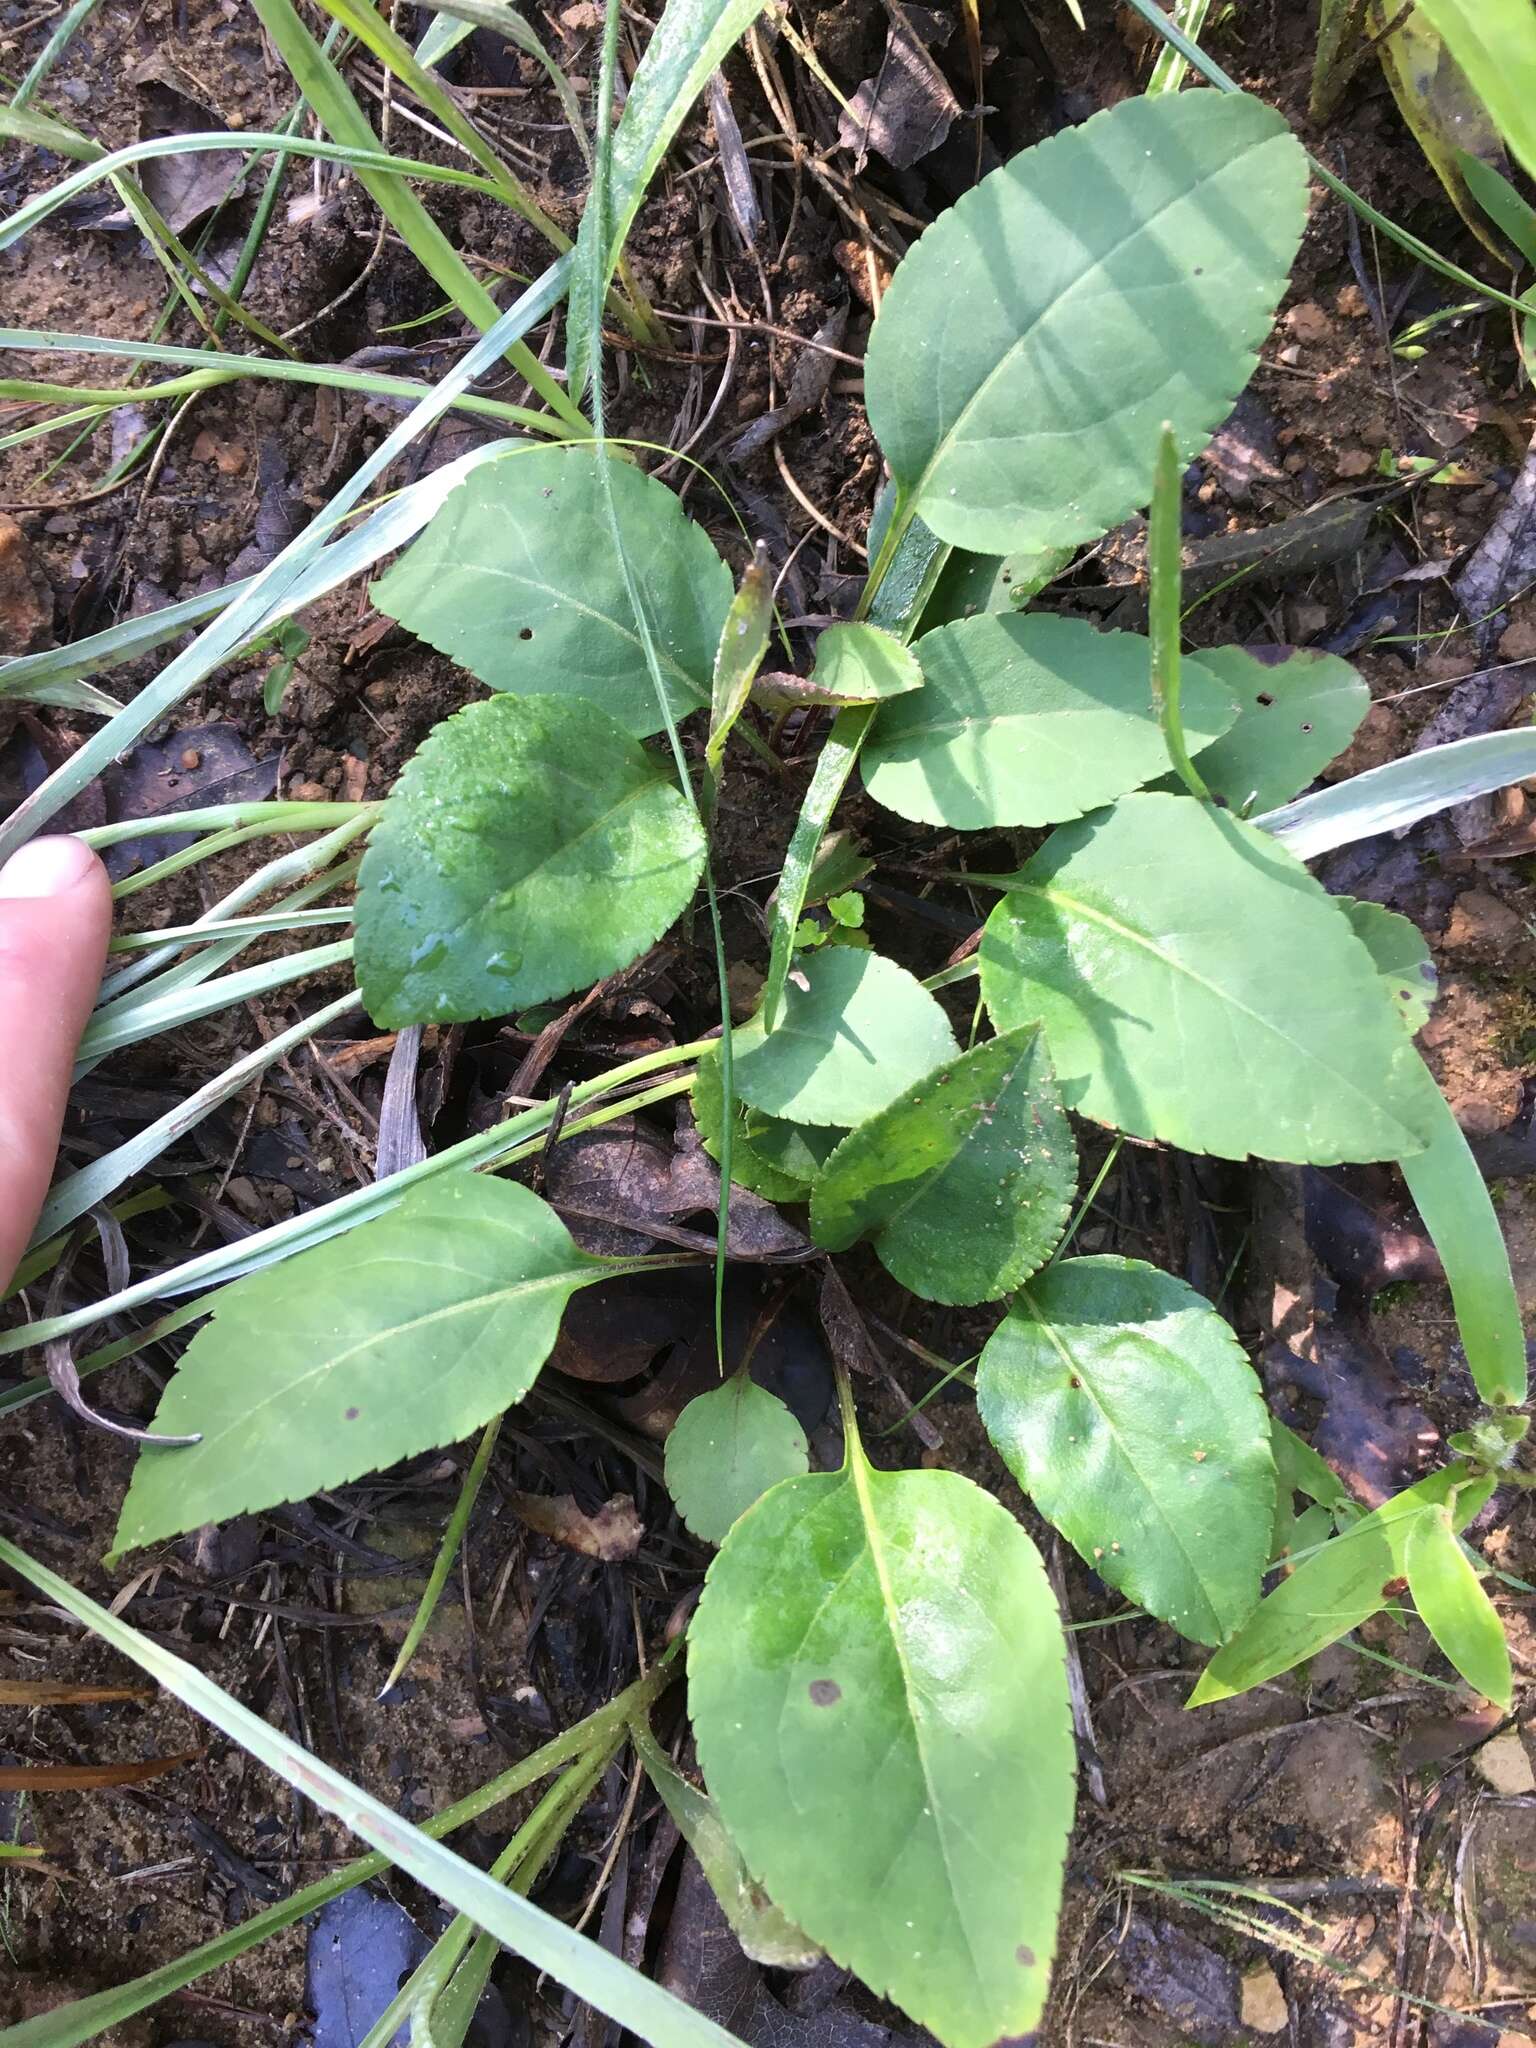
x: 726, y: 1449
x: 1037, y: 336
x: 878, y: 1693
x: 518, y: 580
x: 1454, y: 1607
x: 408, y: 1332
x: 530, y: 847
x: 1294, y: 716
x: 773, y: 1158
x: 1129, y: 1413
x: 1028, y: 720
x: 1198, y: 985
x: 1348, y: 1580
x: 855, y: 1031
x: 1401, y: 957
x: 965, y: 1181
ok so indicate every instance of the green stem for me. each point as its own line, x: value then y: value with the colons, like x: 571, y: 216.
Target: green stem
x: 274, y: 817
x: 512, y: 1138
x: 1165, y: 563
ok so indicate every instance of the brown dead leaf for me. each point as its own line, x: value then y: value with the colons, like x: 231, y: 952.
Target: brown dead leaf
x: 611, y: 1535
x: 38, y: 1692
x: 89, y: 1777
x: 907, y: 108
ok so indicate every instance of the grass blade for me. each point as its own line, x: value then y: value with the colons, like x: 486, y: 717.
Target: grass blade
x: 374, y: 32
x: 442, y: 1564
x: 57, y: 667
x: 128, y: 1021
x: 79, y: 1191
x: 1168, y: 72
x: 67, y: 2026
x: 368, y: 157
x: 1399, y: 794
x: 1453, y: 1202
x: 1213, y: 74
x: 581, y: 1965
x: 1494, y: 42
x: 686, y: 45
x: 499, y: 1144
x: 327, y: 92
x: 460, y: 18
x: 270, y: 595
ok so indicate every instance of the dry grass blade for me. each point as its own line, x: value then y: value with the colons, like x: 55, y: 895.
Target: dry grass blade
x: 43, y: 1692
x: 89, y: 1777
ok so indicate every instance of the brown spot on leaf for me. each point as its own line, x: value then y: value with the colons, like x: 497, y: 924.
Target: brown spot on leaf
x: 825, y: 1692
x: 353, y: 1414
x: 1026, y: 1955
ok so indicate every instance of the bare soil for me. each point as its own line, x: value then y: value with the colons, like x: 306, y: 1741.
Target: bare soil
x: 1368, y: 1793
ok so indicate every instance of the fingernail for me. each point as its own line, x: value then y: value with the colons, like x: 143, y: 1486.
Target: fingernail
x: 46, y: 867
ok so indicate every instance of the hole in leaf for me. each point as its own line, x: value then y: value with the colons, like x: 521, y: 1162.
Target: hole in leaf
x: 526, y: 633
x: 1264, y: 698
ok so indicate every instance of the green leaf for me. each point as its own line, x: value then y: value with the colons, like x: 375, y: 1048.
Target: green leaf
x: 1336, y: 1588
x: 1128, y: 1411
x: 1294, y: 717
x: 774, y: 1158
x: 517, y: 579
x: 969, y: 584
x: 964, y: 1181
x: 1299, y: 1469
x: 1454, y: 1205
x: 1197, y: 985
x: 739, y: 656
x: 726, y: 1449
x: 1454, y: 1608
x: 1026, y: 721
x: 859, y: 664
x: 530, y: 848
x: 1401, y: 957
x: 1038, y: 335
x: 764, y: 1933
x: 686, y: 45
x: 878, y: 1693
x: 1494, y: 42
x: 410, y: 1331
x: 856, y: 1030
x: 1505, y: 207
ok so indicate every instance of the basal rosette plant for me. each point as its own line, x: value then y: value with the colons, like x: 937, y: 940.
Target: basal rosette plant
x: 876, y: 1674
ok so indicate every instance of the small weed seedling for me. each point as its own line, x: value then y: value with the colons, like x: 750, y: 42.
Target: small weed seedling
x: 876, y: 1674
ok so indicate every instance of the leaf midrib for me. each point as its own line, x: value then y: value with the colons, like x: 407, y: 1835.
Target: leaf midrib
x: 1076, y: 1370
x: 1091, y: 914
x: 567, y: 600
x: 858, y: 1467
x: 568, y: 1281
x: 1052, y: 307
